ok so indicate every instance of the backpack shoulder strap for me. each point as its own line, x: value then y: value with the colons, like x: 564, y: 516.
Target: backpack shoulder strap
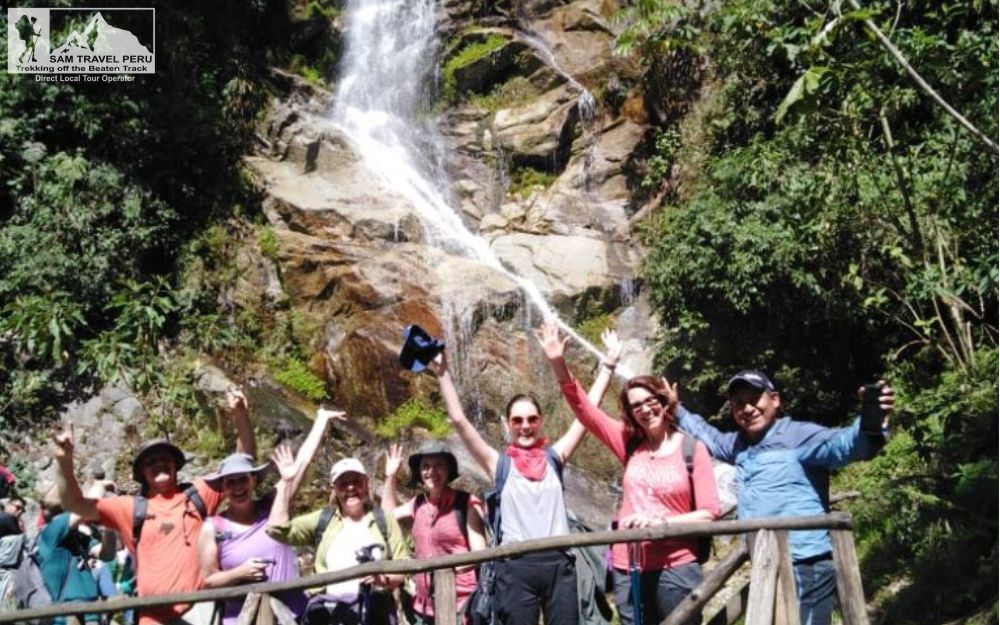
x: 501, y: 473
x: 324, y: 521
x: 493, y: 497
x: 687, y: 448
x: 462, y: 512
x: 555, y: 461
x: 192, y: 495
x: 139, y: 505
x: 383, y: 529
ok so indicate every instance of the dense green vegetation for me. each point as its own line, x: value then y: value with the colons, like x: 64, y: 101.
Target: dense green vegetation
x: 109, y: 197
x: 835, y: 226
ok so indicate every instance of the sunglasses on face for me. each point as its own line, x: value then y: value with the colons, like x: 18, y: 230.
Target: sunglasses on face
x: 530, y: 420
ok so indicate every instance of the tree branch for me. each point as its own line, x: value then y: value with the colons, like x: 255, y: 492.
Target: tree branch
x: 896, y: 54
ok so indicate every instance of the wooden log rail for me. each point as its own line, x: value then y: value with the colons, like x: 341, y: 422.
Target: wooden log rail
x: 839, y: 523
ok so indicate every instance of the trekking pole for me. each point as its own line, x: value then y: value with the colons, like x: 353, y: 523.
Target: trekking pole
x: 635, y: 579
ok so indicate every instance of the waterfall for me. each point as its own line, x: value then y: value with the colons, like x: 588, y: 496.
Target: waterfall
x: 382, y: 89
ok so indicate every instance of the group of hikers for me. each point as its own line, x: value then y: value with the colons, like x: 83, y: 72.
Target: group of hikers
x: 215, y: 532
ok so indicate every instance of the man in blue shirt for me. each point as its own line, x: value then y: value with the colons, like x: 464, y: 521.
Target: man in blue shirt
x: 783, y: 469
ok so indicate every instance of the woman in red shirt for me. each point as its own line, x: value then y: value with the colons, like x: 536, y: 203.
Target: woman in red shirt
x: 657, y: 487
x: 437, y: 528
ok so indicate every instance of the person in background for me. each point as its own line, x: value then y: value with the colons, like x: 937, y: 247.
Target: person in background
x: 657, y: 487
x: 437, y: 514
x: 12, y: 517
x: 63, y: 557
x: 783, y: 469
x: 234, y: 547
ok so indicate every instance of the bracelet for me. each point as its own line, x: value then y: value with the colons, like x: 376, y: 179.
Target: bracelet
x: 609, y: 366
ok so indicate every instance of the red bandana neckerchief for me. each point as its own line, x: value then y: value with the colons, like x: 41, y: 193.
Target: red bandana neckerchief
x: 530, y: 461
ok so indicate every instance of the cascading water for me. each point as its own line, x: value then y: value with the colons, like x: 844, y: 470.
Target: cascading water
x: 382, y: 89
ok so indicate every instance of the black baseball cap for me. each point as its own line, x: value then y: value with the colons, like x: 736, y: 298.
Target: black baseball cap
x: 753, y: 379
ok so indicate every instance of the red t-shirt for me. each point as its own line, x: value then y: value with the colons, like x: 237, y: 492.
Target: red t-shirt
x: 436, y: 533
x: 167, y: 561
x: 651, y: 485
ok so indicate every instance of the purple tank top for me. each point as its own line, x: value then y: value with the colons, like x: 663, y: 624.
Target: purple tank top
x: 237, y: 545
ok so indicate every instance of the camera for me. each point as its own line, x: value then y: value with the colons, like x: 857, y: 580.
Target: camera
x: 367, y: 553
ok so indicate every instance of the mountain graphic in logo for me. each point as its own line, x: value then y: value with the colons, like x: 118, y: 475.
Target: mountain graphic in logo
x: 99, y: 37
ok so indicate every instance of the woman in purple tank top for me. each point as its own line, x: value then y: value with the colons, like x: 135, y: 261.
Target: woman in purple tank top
x: 234, y: 546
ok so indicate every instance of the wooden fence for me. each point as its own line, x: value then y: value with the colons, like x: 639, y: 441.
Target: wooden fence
x: 771, y: 598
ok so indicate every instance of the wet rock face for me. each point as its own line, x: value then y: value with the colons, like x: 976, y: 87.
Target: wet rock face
x: 355, y: 257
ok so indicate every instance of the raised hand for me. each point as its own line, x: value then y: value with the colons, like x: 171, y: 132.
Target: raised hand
x: 64, y: 441
x: 284, y: 459
x: 673, y: 396
x: 235, y: 399
x: 438, y: 366
x: 551, y: 343
x: 886, y: 398
x: 328, y: 413
x: 612, y: 346
x: 393, y: 459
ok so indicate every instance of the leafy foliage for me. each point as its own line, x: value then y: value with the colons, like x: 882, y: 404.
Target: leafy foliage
x: 469, y: 54
x: 103, y: 188
x: 834, y: 226
x: 414, y: 413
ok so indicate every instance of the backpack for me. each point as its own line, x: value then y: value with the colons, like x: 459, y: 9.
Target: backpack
x: 688, y: 443
x: 30, y: 590
x: 24, y: 30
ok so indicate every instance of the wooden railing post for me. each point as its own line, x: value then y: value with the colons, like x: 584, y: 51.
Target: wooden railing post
x: 249, y: 612
x: 444, y: 597
x: 763, y: 579
x: 849, y: 588
x: 786, y: 609
x: 710, y: 585
x: 265, y: 616
x: 282, y: 614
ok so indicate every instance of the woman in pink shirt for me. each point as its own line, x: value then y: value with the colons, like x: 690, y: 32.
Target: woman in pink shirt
x: 657, y: 485
x: 436, y: 514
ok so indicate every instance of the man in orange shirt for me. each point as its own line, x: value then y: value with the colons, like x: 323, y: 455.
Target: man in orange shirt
x: 172, y: 519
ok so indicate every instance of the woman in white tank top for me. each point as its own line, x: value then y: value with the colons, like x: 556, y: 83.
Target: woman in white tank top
x: 531, y: 503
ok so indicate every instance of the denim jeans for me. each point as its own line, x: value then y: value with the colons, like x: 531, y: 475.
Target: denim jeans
x: 817, y: 586
x: 660, y: 592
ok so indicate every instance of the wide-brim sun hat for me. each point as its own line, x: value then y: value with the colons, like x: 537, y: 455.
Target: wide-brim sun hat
x: 433, y: 448
x: 347, y: 465
x: 149, y: 447
x: 234, y: 464
x: 419, y: 348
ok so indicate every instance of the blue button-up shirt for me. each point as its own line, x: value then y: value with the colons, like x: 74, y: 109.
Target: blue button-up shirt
x: 787, y: 472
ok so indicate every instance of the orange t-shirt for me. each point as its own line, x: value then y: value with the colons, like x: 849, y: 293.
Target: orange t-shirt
x: 167, y: 561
